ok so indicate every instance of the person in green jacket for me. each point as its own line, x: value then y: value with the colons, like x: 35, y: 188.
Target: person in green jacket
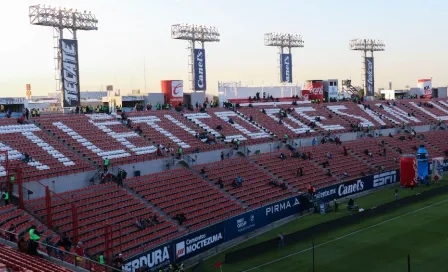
x: 34, y: 235
x: 101, y: 259
x: 6, y: 198
x: 106, y: 164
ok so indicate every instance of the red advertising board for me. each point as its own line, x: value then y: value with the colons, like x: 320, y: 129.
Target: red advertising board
x: 173, y: 90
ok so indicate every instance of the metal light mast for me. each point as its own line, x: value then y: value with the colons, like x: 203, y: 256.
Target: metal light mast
x: 60, y: 19
x: 367, y: 45
x: 282, y: 41
x: 195, y: 34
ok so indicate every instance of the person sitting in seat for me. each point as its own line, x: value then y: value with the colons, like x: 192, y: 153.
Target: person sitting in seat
x: 325, y: 164
x: 180, y: 218
x: 299, y: 172
x: 203, y: 170
x: 138, y: 130
x: 346, y: 175
x: 329, y: 155
x: 282, y: 156
x: 155, y: 219
x: 220, y: 183
x: 139, y: 224
x: 250, y: 118
x: 231, y: 121
x: 218, y: 127
x: 8, y: 113
x: 21, y: 120
x: 345, y: 151
x: 238, y: 182
x: 274, y: 183
x: 283, y: 186
x: 26, y: 158
x: 159, y: 151
x: 329, y: 173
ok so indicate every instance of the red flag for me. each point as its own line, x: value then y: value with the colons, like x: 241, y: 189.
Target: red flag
x: 217, y: 265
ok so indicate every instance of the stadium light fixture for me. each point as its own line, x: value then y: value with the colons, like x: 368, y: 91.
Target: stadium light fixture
x: 283, y: 40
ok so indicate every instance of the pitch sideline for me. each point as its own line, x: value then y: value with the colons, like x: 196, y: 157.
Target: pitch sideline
x: 344, y: 236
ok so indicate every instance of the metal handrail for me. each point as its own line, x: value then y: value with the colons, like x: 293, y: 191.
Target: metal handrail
x: 107, y: 267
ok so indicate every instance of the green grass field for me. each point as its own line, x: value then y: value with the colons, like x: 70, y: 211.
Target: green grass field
x: 381, y: 243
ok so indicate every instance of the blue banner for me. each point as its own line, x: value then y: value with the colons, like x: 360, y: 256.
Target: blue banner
x: 370, y: 77
x: 352, y: 187
x: 154, y: 259
x: 286, y: 67
x: 200, y: 83
x: 69, y: 73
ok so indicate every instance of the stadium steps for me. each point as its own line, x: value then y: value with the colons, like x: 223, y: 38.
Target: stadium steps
x: 217, y: 186
x: 275, y: 177
x: 155, y: 208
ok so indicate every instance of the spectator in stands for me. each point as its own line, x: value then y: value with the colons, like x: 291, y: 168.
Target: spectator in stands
x: 250, y: 118
x: 106, y: 164
x: 337, y: 141
x: 280, y: 122
x: 21, y: 120
x: 390, y: 135
x: 282, y: 156
x: 281, y: 240
x: 203, y: 170
x: 138, y: 130
x: 346, y: 175
x: 8, y: 113
x: 299, y: 172
x: 155, y: 220
x: 329, y: 155
x: 222, y: 155
x: 118, y: 262
x: 27, y: 114
x: 314, y: 142
x: 80, y: 252
x: 139, y: 224
x: 6, y: 197
x: 309, y: 155
x: 180, y: 218
x: 285, y: 137
x: 66, y: 242
x: 384, y: 152
x: 238, y: 182
x: 159, y: 151
x: 12, y: 232
x: 220, y: 183
x: 345, y: 151
x: 179, y: 152
x: 231, y: 121
x: 329, y: 172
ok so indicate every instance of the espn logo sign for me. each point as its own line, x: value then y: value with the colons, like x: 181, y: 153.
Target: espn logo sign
x: 384, y: 178
x: 180, y: 249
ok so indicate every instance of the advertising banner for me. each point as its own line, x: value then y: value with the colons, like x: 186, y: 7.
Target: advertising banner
x: 332, y: 91
x: 155, y: 259
x: 437, y: 168
x: 200, y: 83
x: 198, y: 242
x: 242, y: 224
x: 315, y: 86
x: 286, y: 67
x: 173, y: 91
x: 425, y: 86
x: 69, y: 73
x: 370, y: 77
x: 357, y: 186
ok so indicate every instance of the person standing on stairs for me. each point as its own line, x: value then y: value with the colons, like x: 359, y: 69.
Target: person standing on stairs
x: 6, y: 197
x: 106, y: 164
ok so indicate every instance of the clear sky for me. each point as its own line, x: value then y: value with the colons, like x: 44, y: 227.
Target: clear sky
x: 415, y: 33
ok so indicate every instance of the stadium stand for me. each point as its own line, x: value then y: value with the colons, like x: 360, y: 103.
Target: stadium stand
x: 380, y: 155
x: 183, y: 191
x: 12, y: 259
x: 255, y: 190
x: 101, y: 205
x: 47, y: 156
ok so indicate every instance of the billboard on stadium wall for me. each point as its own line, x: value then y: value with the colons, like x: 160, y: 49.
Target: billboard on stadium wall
x: 286, y: 67
x: 173, y: 91
x: 69, y: 73
x: 315, y: 86
x: 358, y: 185
x: 200, y: 83
x: 425, y: 86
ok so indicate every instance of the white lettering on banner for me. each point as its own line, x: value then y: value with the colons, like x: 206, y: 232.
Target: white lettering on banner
x: 370, y: 90
x: 443, y: 118
x: 191, y: 245
x: 28, y: 131
x: 152, y: 259
x: 286, y: 63
x: 384, y: 178
x: 224, y: 115
x: 200, y: 63
x: 284, y: 205
x: 112, y: 154
x: 151, y: 121
x: 69, y: 72
x: 326, y: 193
x: 299, y: 130
x: 351, y: 188
x: 301, y: 112
x: 337, y: 109
x: 242, y: 224
x: 373, y: 115
x: 398, y: 113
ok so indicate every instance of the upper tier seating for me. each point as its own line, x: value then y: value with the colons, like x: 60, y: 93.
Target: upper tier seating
x: 171, y: 130
x: 101, y: 205
x: 241, y: 128
x: 48, y: 157
x: 255, y: 191
x: 182, y: 191
x: 17, y: 261
x: 100, y: 136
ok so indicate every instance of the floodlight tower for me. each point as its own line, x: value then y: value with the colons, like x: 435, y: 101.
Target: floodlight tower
x: 196, y: 34
x: 282, y: 41
x: 60, y: 19
x: 366, y: 46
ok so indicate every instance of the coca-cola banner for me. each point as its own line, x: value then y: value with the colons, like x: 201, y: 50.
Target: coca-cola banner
x: 315, y: 86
